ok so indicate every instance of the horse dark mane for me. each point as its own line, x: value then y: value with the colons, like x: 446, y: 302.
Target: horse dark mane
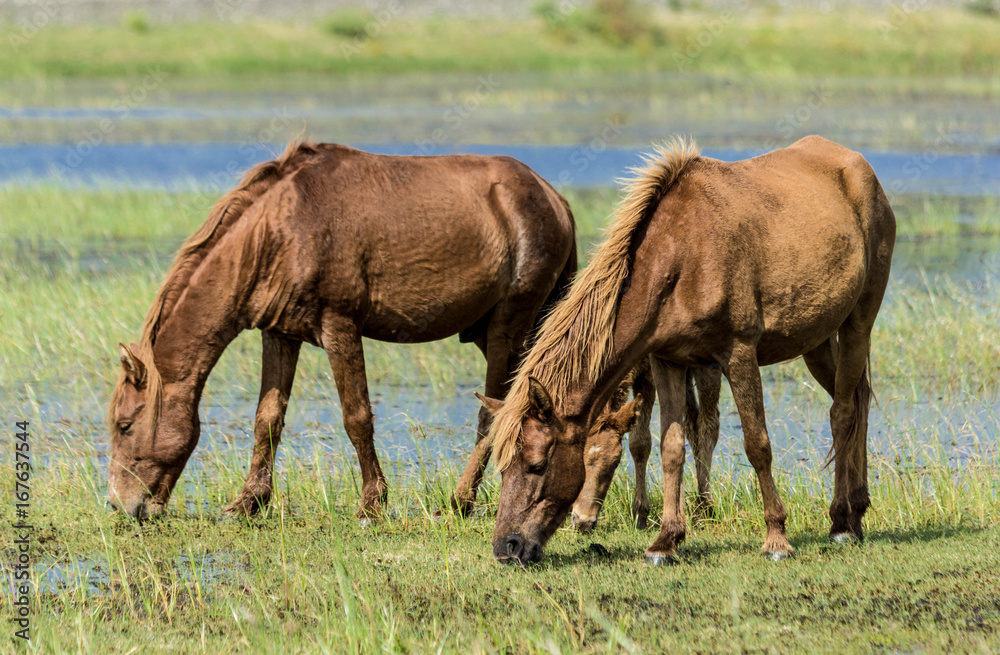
x: 577, y: 336
x: 226, y: 212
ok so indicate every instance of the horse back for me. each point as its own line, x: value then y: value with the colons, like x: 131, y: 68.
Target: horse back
x: 777, y: 250
x: 411, y: 248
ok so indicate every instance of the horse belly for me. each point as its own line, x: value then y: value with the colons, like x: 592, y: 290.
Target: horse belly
x: 432, y: 306
x: 803, y: 309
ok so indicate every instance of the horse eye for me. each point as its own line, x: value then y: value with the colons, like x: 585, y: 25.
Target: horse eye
x: 538, y: 469
x: 124, y: 426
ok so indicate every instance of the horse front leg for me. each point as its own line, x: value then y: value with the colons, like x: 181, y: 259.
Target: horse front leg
x: 670, y: 387
x: 280, y: 356
x: 640, y: 441
x: 744, y: 378
x: 342, y: 342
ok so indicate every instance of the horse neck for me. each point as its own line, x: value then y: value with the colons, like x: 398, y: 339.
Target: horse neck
x: 587, y: 397
x: 200, y: 326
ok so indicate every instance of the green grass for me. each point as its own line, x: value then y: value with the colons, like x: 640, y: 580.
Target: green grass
x: 935, y: 43
x: 306, y: 578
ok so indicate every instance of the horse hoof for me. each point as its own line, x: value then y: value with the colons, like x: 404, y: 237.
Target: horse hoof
x: 463, y: 508
x: 598, y: 549
x: 364, y: 524
x: 844, y: 538
x: 640, y: 523
x: 777, y: 555
x: 661, y: 559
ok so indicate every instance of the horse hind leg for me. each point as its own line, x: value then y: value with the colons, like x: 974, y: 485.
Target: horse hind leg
x: 342, y: 341
x: 502, y: 345
x: 280, y: 356
x: 849, y: 424
x: 705, y: 432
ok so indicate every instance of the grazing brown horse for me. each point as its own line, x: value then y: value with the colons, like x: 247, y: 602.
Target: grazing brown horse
x: 604, y: 449
x: 707, y: 264
x: 326, y: 245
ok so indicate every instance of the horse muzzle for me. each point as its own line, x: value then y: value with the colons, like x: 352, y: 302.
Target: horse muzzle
x: 515, y: 549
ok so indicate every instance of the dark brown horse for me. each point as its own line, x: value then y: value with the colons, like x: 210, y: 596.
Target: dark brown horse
x: 326, y: 245
x: 708, y: 264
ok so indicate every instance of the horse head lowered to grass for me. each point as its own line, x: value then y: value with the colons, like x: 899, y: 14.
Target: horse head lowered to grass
x: 707, y: 264
x: 326, y: 245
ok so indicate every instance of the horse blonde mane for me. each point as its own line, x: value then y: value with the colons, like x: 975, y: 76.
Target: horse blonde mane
x: 223, y: 216
x: 577, y: 337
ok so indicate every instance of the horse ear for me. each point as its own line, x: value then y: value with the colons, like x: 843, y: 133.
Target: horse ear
x: 135, y: 370
x: 541, y: 401
x: 624, y: 418
x: 491, y: 404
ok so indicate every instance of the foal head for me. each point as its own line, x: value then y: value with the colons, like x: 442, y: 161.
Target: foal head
x: 149, y: 448
x: 546, y: 473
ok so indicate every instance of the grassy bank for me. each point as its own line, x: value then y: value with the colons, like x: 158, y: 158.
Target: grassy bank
x: 617, y: 35
x: 306, y: 578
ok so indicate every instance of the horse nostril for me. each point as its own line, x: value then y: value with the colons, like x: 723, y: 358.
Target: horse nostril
x: 515, y: 546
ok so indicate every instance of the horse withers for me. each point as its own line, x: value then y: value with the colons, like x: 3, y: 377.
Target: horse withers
x: 326, y: 245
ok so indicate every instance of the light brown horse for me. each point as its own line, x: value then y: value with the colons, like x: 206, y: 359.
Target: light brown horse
x: 326, y: 245
x: 735, y: 265
x: 603, y: 451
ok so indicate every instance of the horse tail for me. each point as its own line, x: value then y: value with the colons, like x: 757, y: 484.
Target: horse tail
x: 856, y: 438
x: 853, y: 445
x: 691, y: 412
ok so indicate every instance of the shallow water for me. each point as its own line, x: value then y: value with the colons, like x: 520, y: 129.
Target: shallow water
x: 576, y: 129
x: 94, y: 576
x: 196, y: 166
